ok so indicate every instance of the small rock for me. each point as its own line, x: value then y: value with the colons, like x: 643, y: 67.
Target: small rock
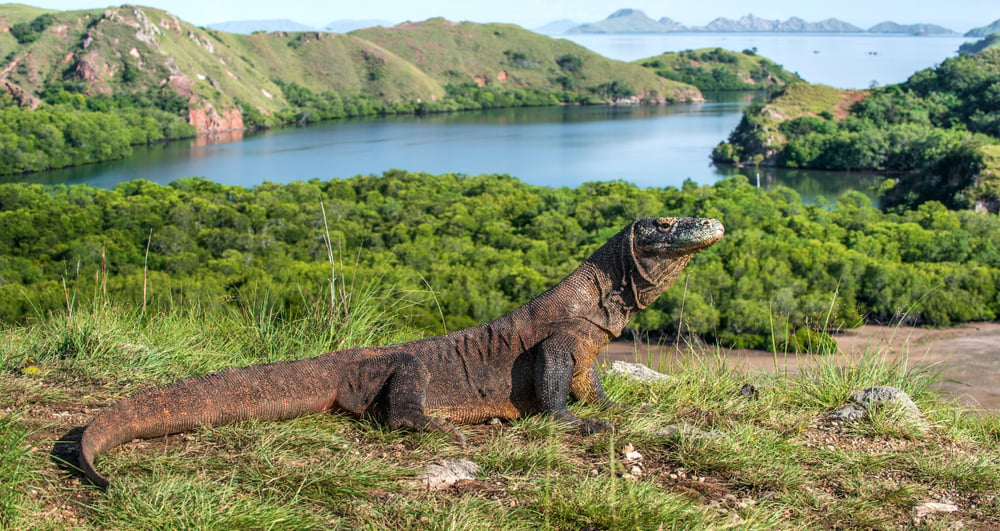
x: 443, y: 474
x: 749, y: 392
x: 848, y: 413
x: 864, y: 401
x: 636, y: 371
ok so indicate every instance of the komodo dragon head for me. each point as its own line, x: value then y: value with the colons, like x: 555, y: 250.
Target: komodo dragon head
x: 655, y: 251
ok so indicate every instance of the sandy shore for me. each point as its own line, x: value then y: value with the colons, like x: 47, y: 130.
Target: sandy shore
x: 969, y: 356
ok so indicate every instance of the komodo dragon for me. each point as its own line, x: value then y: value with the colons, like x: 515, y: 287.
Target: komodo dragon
x: 531, y: 360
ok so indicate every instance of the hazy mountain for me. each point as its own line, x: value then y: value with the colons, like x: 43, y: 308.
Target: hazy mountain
x: 627, y: 21
x: 984, y: 31
x: 672, y: 25
x: 912, y: 29
x: 636, y: 21
x: 557, y: 27
x: 349, y: 25
x: 751, y: 23
x: 246, y: 27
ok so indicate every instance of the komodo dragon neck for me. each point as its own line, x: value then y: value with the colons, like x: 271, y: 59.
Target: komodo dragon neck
x: 610, y: 286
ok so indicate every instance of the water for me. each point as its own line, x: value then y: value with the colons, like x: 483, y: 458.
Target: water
x: 850, y: 61
x: 566, y: 146
x: 651, y: 146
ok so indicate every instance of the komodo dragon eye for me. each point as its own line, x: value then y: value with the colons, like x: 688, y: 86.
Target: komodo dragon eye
x: 662, y: 224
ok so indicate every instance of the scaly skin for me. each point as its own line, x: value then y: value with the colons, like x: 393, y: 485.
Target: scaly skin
x: 531, y: 360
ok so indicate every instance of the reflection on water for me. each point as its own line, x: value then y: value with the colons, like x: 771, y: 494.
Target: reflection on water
x: 812, y: 185
x: 651, y: 146
x: 226, y: 137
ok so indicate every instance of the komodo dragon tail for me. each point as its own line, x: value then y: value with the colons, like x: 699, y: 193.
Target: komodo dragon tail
x: 275, y: 391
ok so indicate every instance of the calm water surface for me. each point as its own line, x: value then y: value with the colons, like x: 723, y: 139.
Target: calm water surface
x: 651, y: 146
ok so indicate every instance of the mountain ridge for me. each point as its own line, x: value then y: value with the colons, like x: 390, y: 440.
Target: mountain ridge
x: 984, y: 31
x: 630, y: 20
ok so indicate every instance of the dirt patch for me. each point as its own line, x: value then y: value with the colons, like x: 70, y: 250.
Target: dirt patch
x: 967, y: 356
x: 847, y: 100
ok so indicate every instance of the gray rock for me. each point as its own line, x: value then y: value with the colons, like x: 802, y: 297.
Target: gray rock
x: 848, y: 413
x: 636, y: 371
x: 873, y: 397
x: 867, y: 400
x: 443, y: 474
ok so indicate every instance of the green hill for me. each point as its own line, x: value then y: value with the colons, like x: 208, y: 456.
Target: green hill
x: 84, y: 86
x: 939, y: 132
x: 718, y: 69
x: 990, y: 41
x: 131, y: 50
x: 510, y: 56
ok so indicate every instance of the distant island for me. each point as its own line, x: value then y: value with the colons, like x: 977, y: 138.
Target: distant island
x: 984, y: 31
x: 636, y: 21
x: 247, y: 27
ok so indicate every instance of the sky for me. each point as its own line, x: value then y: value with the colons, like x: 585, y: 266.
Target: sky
x: 958, y: 15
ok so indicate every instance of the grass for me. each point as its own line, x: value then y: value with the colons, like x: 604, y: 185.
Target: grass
x: 774, y: 462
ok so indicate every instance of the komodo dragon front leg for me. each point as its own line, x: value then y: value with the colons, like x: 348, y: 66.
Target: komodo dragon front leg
x: 555, y: 380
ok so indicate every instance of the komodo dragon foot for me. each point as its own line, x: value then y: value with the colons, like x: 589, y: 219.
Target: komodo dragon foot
x: 427, y: 423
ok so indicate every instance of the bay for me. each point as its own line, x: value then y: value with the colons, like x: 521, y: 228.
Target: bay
x: 848, y: 61
x: 561, y: 146
x: 650, y: 146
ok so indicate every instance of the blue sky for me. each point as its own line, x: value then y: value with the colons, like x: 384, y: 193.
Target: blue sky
x: 959, y: 15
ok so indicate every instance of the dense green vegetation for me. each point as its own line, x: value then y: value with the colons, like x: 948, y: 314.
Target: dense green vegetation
x: 484, y: 245
x: 937, y: 127
x: 72, y: 129
x: 989, y: 41
x: 715, y: 69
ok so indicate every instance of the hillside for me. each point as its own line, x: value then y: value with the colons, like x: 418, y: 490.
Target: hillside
x: 141, y: 75
x: 507, y: 55
x: 938, y: 133
x: 990, y: 41
x: 717, y: 69
x: 136, y: 50
x: 985, y: 31
x: 130, y: 50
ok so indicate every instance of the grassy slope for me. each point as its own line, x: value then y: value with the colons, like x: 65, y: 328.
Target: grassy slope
x: 670, y: 64
x: 775, y: 464
x: 804, y: 99
x: 462, y: 52
x: 97, y: 47
x: 325, y: 62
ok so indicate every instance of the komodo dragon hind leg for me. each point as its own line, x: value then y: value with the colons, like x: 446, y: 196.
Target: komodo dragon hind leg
x: 404, y: 395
